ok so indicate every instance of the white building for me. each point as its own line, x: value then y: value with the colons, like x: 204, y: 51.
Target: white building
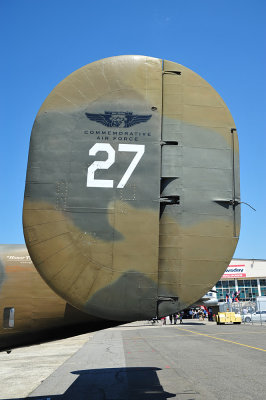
x: 247, y: 276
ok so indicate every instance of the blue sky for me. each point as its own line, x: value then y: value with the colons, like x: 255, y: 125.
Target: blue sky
x: 223, y: 41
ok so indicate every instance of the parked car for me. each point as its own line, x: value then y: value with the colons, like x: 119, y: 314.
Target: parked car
x: 258, y: 316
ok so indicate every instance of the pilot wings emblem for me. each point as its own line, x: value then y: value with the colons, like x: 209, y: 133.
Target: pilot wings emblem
x: 118, y: 119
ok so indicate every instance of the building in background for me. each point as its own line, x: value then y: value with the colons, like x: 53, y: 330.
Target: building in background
x: 246, y: 276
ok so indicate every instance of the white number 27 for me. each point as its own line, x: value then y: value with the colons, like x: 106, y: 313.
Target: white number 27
x: 139, y: 149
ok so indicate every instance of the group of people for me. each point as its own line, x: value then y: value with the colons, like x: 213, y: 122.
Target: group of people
x: 202, y: 313
x: 197, y: 313
x: 234, y: 297
x: 173, y: 318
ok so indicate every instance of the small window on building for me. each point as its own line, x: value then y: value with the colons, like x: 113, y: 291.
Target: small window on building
x: 9, y: 317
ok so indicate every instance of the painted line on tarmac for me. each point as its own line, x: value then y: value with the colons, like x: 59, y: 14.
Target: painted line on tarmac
x: 224, y: 340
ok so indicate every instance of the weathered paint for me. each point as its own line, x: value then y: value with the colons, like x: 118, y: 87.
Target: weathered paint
x: 38, y: 310
x: 158, y: 243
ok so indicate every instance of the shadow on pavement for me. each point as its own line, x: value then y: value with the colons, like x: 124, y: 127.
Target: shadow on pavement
x: 112, y: 383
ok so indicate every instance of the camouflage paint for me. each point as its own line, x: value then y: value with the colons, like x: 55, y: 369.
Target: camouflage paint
x: 2, y: 274
x: 157, y: 243
x: 38, y: 310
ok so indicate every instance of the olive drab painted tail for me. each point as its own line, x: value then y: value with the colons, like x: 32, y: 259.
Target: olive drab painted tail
x: 131, y: 203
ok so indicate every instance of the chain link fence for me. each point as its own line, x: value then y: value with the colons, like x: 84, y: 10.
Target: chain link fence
x: 251, y: 311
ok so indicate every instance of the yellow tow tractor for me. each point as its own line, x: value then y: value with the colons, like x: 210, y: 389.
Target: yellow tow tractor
x: 227, y: 318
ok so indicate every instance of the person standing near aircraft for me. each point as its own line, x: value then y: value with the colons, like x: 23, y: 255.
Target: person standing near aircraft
x: 181, y: 317
x: 210, y: 314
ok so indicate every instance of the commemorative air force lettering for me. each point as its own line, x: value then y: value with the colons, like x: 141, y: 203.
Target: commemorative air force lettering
x: 118, y: 120
x: 120, y: 136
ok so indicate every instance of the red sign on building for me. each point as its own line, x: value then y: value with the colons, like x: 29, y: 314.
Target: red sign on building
x: 235, y: 271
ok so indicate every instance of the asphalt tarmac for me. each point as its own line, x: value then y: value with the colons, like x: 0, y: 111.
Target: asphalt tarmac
x: 195, y: 360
